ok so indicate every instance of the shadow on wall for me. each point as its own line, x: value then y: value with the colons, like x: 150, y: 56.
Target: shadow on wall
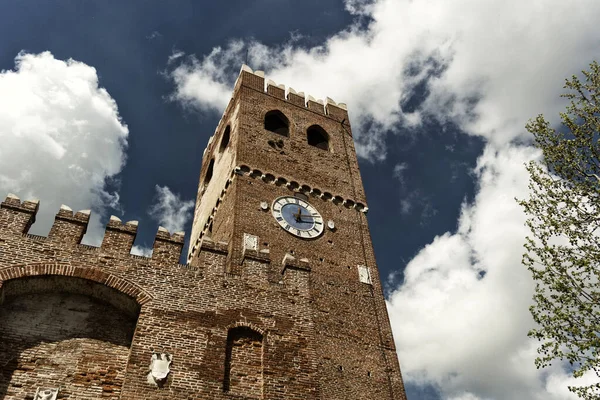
x: 64, y: 332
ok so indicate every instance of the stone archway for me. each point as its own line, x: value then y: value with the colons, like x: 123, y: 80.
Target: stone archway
x: 64, y: 331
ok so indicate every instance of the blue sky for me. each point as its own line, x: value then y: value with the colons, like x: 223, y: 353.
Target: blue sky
x: 109, y: 105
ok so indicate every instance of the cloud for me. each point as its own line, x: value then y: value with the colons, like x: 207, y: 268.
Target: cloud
x: 463, y: 332
x: 204, y: 84
x: 461, y: 316
x: 62, y: 138
x: 400, y: 173
x: 141, y: 251
x: 154, y: 35
x: 177, y: 54
x: 170, y: 210
x: 486, y: 66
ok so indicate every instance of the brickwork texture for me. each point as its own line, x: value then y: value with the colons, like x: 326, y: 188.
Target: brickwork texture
x: 288, y: 318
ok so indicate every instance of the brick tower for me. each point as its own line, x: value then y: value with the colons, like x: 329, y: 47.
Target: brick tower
x: 280, y: 180
x: 280, y: 297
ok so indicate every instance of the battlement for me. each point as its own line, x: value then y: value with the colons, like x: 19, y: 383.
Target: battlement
x: 69, y: 227
x: 328, y: 107
x: 256, y: 80
x: 17, y: 216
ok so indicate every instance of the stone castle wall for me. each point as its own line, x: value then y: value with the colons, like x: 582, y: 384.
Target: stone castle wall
x: 77, y: 330
x: 255, y: 314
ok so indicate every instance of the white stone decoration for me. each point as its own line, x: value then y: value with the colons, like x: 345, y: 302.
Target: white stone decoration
x: 288, y: 258
x: 159, y: 368
x: 46, y: 394
x: 331, y: 224
x: 250, y: 242
x: 363, y: 274
x: 264, y: 205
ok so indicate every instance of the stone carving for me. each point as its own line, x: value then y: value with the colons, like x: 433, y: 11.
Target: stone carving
x: 46, y: 394
x: 250, y: 242
x: 363, y: 274
x: 159, y: 368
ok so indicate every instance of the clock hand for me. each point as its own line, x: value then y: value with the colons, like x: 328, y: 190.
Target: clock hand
x: 298, y: 215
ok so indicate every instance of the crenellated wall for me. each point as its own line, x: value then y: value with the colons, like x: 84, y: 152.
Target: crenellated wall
x: 69, y: 227
x: 288, y: 144
x: 256, y: 313
x: 84, y: 295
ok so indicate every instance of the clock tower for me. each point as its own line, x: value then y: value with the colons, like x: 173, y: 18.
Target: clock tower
x: 280, y: 194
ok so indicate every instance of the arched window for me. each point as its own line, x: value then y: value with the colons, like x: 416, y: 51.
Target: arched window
x: 316, y: 136
x: 225, y: 139
x: 243, y: 363
x: 277, y: 123
x: 209, y: 172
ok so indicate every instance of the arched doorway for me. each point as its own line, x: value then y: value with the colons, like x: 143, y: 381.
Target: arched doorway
x: 64, y: 332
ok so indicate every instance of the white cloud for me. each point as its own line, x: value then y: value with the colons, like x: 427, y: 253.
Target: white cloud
x: 204, y: 84
x: 465, y: 333
x: 154, y: 35
x: 489, y: 66
x: 400, y: 173
x: 169, y: 210
x: 61, y: 136
x: 486, y: 66
x: 460, y: 331
x: 175, y: 56
x: 141, y: 251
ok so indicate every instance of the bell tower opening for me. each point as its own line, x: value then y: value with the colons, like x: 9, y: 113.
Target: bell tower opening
x: 277, y: 123
x: 225, y: 139
x: 285, y: 212
x: 316, y: 136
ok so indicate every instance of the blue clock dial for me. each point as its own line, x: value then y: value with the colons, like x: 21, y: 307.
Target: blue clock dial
x: 297, y: 217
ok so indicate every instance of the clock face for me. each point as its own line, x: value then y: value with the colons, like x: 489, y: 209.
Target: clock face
x: 297, y: 217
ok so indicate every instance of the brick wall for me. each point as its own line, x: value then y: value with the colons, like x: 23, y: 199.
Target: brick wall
x: 289, y: 320
x: 348, y: 317
x: 184, y: 310
x: 52, y: 338
x: 244, y: 363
